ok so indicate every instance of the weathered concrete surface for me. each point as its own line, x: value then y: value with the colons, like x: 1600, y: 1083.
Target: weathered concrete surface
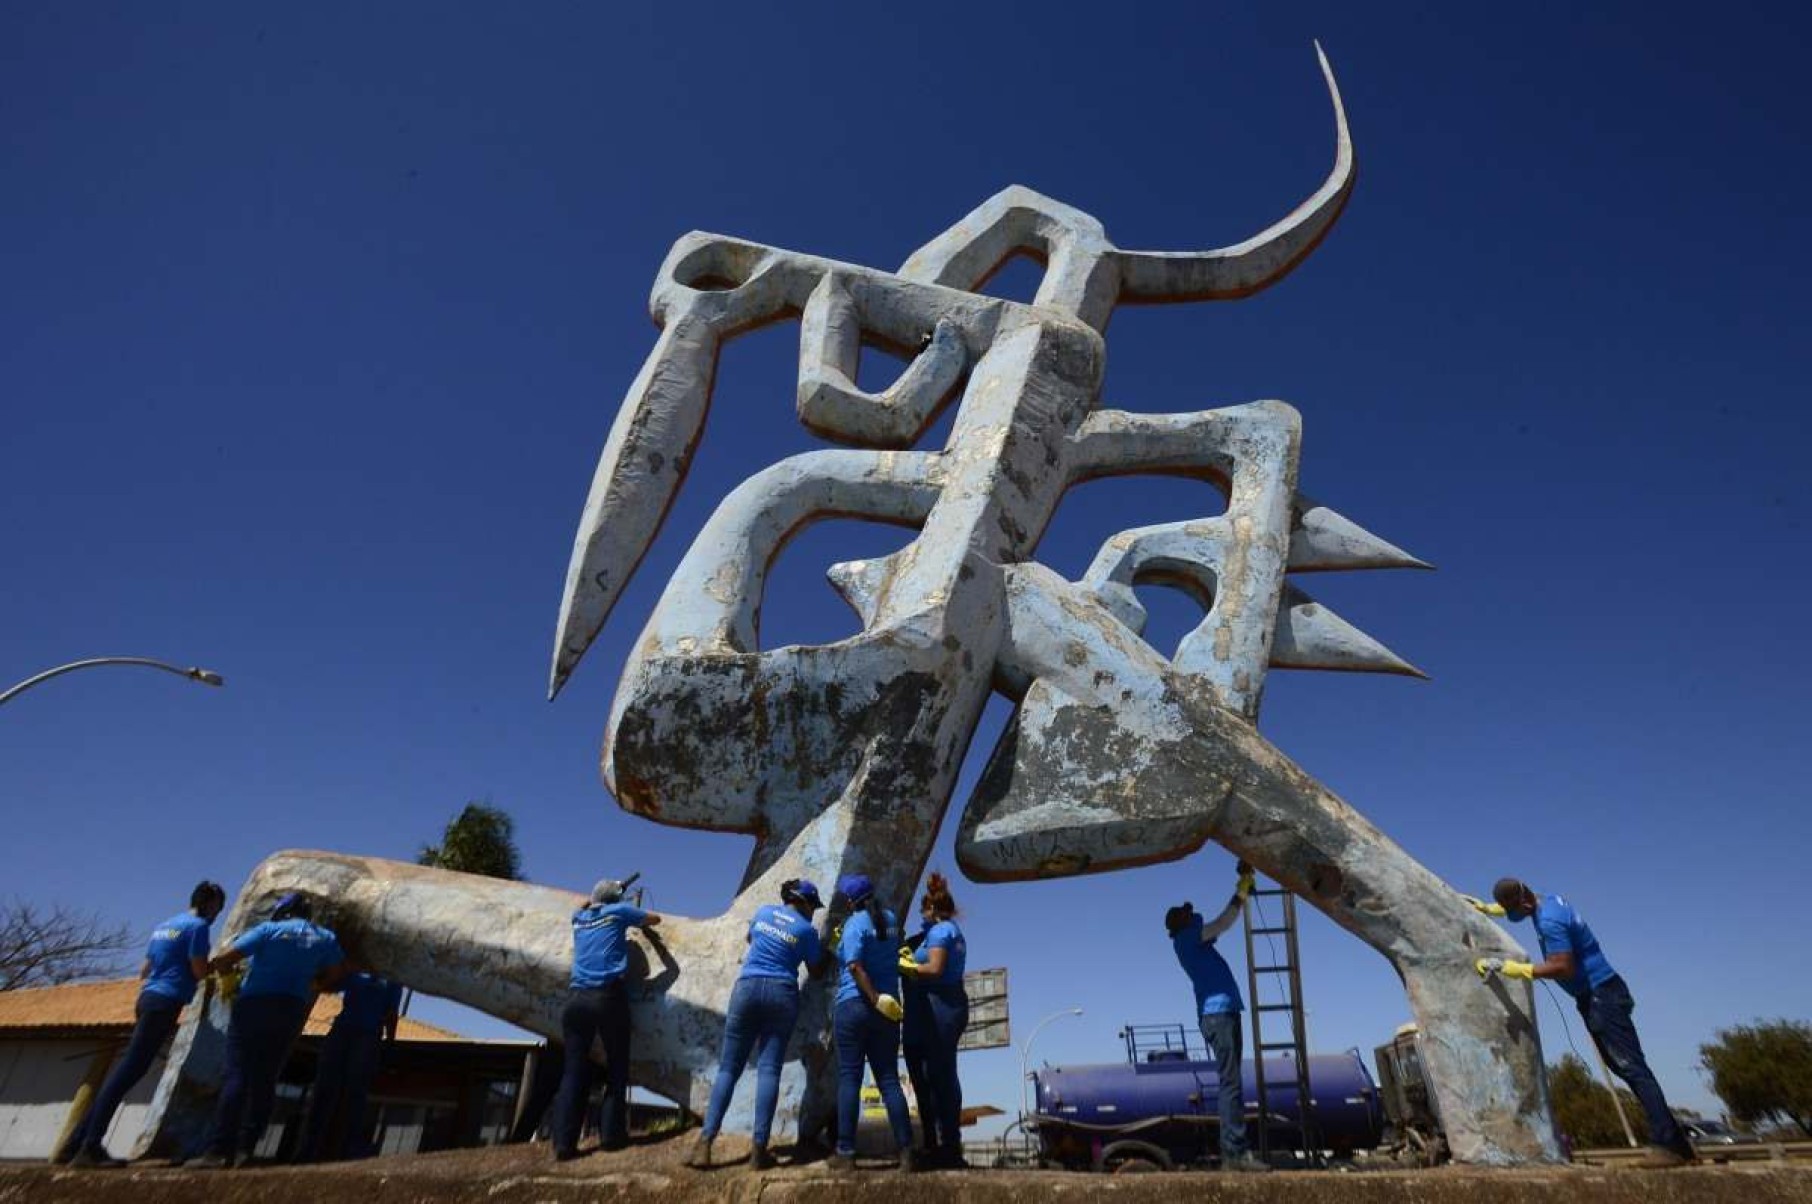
x: 843, y: 757
x: 524, y: 1175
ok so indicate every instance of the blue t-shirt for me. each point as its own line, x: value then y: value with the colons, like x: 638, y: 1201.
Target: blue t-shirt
x: 779, y: 939
x: 285, y: 957
x: 367, y: 1001
x: 947, y: 936
x: 1209, y: 973
x: 878, y: 953
x: 173, y: 943
x: 601, y: 943
x: 1560, y: 930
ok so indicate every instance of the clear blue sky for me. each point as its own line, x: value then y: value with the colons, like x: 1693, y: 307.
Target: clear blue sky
x: 313, y: 322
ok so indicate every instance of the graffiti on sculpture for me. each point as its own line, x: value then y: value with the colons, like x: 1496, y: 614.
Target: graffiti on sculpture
x: 843, y: 757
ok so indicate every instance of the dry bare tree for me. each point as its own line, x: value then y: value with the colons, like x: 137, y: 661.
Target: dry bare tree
x: 41, y: 947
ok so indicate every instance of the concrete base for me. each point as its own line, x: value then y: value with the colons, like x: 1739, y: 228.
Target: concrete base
x: 652, y: 1169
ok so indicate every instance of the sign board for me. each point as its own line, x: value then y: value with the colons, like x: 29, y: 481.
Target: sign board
x: 987, y: 991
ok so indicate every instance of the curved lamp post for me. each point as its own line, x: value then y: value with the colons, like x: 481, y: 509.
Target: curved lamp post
x: 1025, y: 1056
x: 206, y: 677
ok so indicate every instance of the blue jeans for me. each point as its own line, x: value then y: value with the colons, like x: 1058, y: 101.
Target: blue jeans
x: 1608, y: 1009
x: 915, y: 1051
x: 949, y: 1016
x: 593, y: 1013
x: 259, y: 1036
x: 864, y: 1035
x: 1221, y: 1030
x: 761, y: 1017
x: 343, y: 1074
x: 157, y: 1015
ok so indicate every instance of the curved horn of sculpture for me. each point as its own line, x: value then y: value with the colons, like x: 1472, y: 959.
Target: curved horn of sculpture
x: 1260, y: 261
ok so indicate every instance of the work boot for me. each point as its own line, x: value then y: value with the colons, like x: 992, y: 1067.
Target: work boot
x: 840, y: 1162
x: 911, y: 1161
x: 760, y: 1159
x: 1245, y: 1162
x: 700, y: 1157
x: 95, y: 1158
x: 209, y: 1161
x: 1659, y: 1158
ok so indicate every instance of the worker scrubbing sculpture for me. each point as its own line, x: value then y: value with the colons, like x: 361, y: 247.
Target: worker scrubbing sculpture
x: 1572, y: 957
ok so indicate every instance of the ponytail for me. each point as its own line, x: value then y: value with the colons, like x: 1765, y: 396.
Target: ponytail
x: 938, y: 896
x: 878, y: 915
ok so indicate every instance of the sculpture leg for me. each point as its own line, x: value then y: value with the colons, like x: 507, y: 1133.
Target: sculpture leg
x: 1115, y: 760
x: 502, y: 947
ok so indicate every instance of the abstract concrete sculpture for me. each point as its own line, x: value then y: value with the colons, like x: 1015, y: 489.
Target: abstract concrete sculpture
x: 842, y: 757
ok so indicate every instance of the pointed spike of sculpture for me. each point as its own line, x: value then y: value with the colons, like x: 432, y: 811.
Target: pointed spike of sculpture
x: 1323, y: 539
x: 1310, y: 636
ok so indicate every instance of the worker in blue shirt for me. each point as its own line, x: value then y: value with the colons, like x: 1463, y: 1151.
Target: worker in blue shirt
x: 597, y: 1006
x: 1218, y: 1007
x: 370, y: 1009
x: 1571, y: 957
x: 291, y: 958
x: 764, y: 1007
x: 175, y: 960
x: 867, y: 1020
x: 931, y: 975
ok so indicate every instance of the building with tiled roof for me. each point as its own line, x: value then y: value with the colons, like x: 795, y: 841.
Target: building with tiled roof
x: 437, y: 1089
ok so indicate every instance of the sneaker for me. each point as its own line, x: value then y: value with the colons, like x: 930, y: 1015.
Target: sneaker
x: 95, y: 1158
x: 760, y: 1159
x: 700, y: 1157
x: 1659, y: 1157
x: 209, y: 1161
x: 1245, y: 1162
x: 840, y: 1162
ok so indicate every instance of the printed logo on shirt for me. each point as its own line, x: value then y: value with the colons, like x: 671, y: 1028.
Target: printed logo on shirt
x: 771, y: 930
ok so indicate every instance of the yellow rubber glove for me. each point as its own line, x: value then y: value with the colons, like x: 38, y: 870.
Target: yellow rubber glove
x: 1487, y: 966
x: 227, y: 982
x: 908, y: 964
x: 1494, y: 910
x: 890, y: 1007
x: 1246, y: 881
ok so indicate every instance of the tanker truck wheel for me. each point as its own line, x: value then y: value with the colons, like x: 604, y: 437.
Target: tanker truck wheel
x: 1132, y: 1158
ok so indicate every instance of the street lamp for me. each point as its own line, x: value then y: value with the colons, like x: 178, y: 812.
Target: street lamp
x: 1025, y: 1057
x: 206, y: 677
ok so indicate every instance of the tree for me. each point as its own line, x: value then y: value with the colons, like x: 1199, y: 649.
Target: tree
x: 43, y: 948
x: 1583, y: 1109
x: 479, y: 840
x: 1763, y: 1071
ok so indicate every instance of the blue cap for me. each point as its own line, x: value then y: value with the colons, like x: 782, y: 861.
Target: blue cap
x: 856, y: 888
x: 801, y: 888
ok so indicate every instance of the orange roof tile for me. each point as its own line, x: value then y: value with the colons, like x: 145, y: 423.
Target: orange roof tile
x: 110, y: 1004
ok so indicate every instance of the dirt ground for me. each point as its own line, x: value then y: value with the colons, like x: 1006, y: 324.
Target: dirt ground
x: 653, y: 1168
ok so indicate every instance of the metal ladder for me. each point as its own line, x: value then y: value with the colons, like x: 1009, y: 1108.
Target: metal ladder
x: 1287, y: 975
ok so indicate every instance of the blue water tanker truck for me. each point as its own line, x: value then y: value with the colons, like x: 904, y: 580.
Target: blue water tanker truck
x: 1159, y: 1109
